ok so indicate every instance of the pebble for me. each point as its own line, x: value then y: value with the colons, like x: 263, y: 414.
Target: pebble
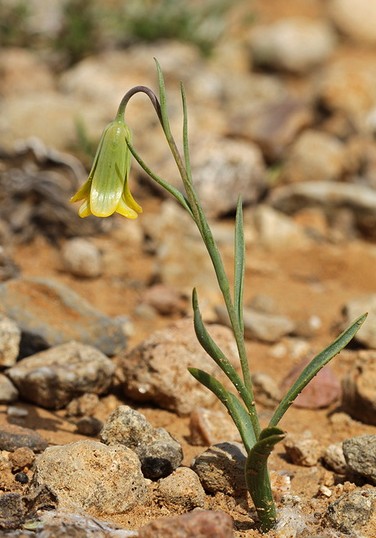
x: 332, y: 197
x: 181, y: 490
x: 8, y: 392
x: 224, y: 169
x: 355, y: 18
x: 49, y: 313
x: 165, y: 300
x: 260, y: 326
x: 10, y: 337
x: 334, y: 458
x: 21, y: 457
x: 209, y: 427
x: 85, y: 405
x: 302, y: 449
x: 82, y: 258
x: 90, y: 426
x: 321, y: 391
x: 159, y: 453
x: 315, y: 156
x: 360, y: 456
x: 359, y: 388
x: 52, y: 378
x: 277, y: 231
x: 221, y: 469
x: 150, y: 370
x: 266, y: 390
x: 352, y: 511
x: 88, y: 476
x: 13, y: 437
x: 355, y: 308
x: 196, y: 524
x: 279, y: 44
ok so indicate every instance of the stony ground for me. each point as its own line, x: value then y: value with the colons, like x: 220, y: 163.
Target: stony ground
x: 293, y: 129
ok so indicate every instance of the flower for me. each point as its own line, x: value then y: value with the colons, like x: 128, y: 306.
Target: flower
x: 106, y: 190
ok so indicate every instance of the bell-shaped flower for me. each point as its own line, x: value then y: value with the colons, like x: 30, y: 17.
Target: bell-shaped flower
x: 106, y: 191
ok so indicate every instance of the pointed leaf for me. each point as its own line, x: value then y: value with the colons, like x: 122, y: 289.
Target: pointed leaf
x: 239, y: 264
x: 315, y: 366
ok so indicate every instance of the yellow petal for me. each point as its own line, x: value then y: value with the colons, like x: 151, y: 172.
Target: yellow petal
x: 125, y: 210
x: 84, y: 210
x: 83, y: 192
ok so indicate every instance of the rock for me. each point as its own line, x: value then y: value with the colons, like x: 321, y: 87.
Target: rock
x: 210, y: 427
x: 149, y: 371
x: 260, y: 326
x: 302, y: 449
x: 294, y: 44
x: 355, y: 18
x: 331, y: 197
x: 165, y: 300
x: 334, y: 458
x: 15, y: 508
x: 224, y: 169
x: 159, y: 453
x: 355, y: 308
x: 321, y: 391
x: 52, y: 378
x: 85, y: 405
x: 10, y: 336
x: 196, y: 524
x: 8, y: 392
x: 88, y: 476
x: 277, y: 231
x: 221, y: 469
x: 315, y: 156
x: 90, y: 426
x: 352, y: 511
x: 13, y: 437
x: 266, y: 390
x: 273, y: 126
x: 48, y: 313
x: 82, y: 258
x: 21, y: 458
x: 181, y: 490
x: 360, y: 456
x: 359, y: 388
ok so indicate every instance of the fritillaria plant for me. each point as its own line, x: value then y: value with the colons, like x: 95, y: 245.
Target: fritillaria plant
x: 107, y: 191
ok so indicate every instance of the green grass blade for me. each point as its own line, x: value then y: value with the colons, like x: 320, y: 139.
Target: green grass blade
x: 315, y: 366
x: 235, y: 409
x: 187, y: 158
x: 239, y: 268
x: 163, y: 101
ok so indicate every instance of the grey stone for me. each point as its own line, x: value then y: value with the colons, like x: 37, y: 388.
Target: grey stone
x: 10, y: 337
x: 52, y: 378
x: 90, y: 426
x: 149, y: 371
x: 13, y: 437
x: 295, y: 44
x: 49, y: 313
x: 352, y: 511
x: 196, y: 524
x: 221, y: 469
x: 181, y: 490
x: 355, y: 308
x: 360, y: 456
x: 8, y: 392
x: 331, y: 197
x: 82, y: 258
x: 159, y: 453
x: 355, y: 18
x: 359, y: 388
x: 88, y: 476
x: 260, y: 326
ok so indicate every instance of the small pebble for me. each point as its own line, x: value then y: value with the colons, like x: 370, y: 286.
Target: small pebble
x: 82, y: 258
x: 21, y: 457
x: 360, y: 456
x: 22, y: 478
x: 90, y: 426
x: 302, y: 449
x: 334, y: 458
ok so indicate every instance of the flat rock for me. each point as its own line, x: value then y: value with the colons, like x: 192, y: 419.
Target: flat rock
x: 159, y: 453
x: 52, y: 378
x: 13, y: 437
x: 359, y: 388
x: 149, y: 371
x: 88, y: 476
x: 360, y: 456
x: 330, y: 196
x: 49, y: 313
x: 196, y: 524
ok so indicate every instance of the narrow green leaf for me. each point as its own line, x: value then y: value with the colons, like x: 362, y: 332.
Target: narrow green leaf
x: 235, y: 409
x: 314, y: 367
x: 163, y: 101
x: 257, y: 477
x: 239, y: 268
x: 187, y: 158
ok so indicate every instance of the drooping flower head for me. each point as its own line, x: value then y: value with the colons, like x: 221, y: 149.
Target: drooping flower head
x: 106, y: 191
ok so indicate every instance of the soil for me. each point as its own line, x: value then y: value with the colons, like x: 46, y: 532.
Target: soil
x: 311, y: 281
